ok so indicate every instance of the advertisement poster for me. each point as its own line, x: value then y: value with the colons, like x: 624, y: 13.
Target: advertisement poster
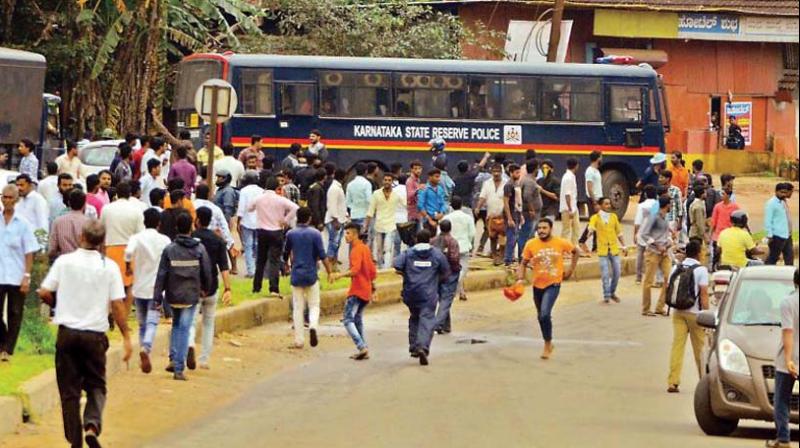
x: 743, y: 112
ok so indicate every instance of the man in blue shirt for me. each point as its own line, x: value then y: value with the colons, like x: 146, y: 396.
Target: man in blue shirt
x: 778, y: 225
x: 650, y: 177
x: 303, y: 251
x: 423, y: 268
x: 432, y: 202
x: 358, y: 195
x: 17, y: 246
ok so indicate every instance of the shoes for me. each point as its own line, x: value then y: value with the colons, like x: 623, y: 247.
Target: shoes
x: 423, y: 357
x: 170, y: 367
x: 414, y: 354
x: 179, y: 377
x: 658, y: 285
x: 5, y: 357
x: 777, y: 444
x: 204, y: 366
x: 661, y: 313
x: 673, y: 389
x: 275, y: 295
x: 605, y: 301
x: 191, y: 362
x: 144, y: 362
x: 362, y: 355
x: 648, y: 314
x: 90, y: 436
x: 548, y: 351
x: 439, y: 331
x: 638, y: 281
x: 313, y: 337
x: 615, y: 298
x: 462, y: 297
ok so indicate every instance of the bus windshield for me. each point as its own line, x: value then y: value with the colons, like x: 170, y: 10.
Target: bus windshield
x: 191, y: 74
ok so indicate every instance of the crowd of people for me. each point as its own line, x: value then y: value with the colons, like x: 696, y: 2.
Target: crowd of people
x: 153, y: 234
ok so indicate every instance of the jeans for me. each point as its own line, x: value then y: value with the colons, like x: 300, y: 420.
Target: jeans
x: 382, y: 246
x: 302, y: 296
x: 250, y: 246
x: 447, y: 292
x: 147, y: 316
x: 81, y: 365
x: 396, y: 244
x: 9, y: 331
x: 208, y: 307
x: 270, y: 249
x: 511, y: 242
x: 334, y: 240
x: 524, y: 235
x: 462, y: 276
x: 611, y: 269
x: 545, y: 299
x: 780, y: 246
x: 182, y: 320
x: 783, y: 394
x: 353, y: 322
x: 421, y: 324
x: 684, y: 324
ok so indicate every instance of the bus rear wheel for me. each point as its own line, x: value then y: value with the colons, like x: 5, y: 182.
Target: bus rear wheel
x: 616, y: 187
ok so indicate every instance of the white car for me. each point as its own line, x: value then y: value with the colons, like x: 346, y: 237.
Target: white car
x: 97, y: 156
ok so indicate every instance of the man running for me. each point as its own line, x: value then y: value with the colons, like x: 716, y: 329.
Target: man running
x: 545, y: 254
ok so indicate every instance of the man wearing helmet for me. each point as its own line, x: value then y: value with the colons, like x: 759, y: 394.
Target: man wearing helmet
x: 736, y: 243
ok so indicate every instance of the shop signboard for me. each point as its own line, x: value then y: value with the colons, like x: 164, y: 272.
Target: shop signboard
x: 743, y: 112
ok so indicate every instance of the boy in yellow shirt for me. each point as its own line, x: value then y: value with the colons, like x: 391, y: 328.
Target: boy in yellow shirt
x: 608, y: 235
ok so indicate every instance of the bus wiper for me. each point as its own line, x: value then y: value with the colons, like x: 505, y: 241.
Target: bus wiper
x: 762, y: 324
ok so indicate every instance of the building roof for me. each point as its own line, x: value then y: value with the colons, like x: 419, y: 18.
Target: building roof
x: 756, y: 7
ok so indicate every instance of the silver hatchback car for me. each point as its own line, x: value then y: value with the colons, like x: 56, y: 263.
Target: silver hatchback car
x: 738, y: 379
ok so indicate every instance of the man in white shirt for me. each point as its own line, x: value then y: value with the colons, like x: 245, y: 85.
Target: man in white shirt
x: 383, y: 210
x: 247, y: 222
x: 156, y: 151
x: 568, y: 203
x: 463, y: 230
x: 151, y: 179
x: 401, y: 216
x: 69, y: 162
x: 48, y: 187
x: 122, y: 219
x: 218, y: 224
x: 32, y: 206
x: 492, y: 197
x: 594, y: 191
x: 643, y: 211
x: 230, y: 163
x: 684, y: 322
x: 87, y: 286
x: 144, y: 253
x: 335, y: 215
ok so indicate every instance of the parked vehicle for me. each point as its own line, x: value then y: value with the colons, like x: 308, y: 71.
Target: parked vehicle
x: 97, y: 156
x: 25, y: 110
x: 738, y: 372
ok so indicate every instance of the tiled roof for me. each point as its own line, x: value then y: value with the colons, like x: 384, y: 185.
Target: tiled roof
x: 758, y: 7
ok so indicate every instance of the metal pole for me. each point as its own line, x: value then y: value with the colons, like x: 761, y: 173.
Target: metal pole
x: 213, y: 140
x: 555, y: 31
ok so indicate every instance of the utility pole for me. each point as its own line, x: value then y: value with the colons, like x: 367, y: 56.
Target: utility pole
x: 555, y: 31
x: 213, y: 140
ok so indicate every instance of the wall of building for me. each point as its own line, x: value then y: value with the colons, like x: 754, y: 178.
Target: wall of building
x: 696, y: 71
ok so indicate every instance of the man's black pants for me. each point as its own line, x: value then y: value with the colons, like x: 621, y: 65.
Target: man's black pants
x: 780, y: 246
x: 270, y: 249
x: 9, y: 331
x: 81, y: 365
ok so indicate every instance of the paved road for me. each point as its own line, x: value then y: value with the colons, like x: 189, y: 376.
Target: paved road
x: 605, y: 386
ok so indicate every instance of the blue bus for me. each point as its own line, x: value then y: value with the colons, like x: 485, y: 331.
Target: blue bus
x: 386, y: 110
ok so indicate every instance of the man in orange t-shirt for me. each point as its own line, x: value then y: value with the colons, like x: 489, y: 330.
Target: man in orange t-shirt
x: 680, y: 174
x: 362, y: 274
x: 545, y: 254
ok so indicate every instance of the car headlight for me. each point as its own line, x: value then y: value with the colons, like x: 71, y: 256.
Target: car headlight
x: 732, y: 359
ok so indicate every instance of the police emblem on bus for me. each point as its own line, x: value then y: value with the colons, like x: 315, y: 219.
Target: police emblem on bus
x: 512, y: 134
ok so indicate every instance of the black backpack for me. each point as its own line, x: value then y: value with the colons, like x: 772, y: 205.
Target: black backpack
x: 681, y: 292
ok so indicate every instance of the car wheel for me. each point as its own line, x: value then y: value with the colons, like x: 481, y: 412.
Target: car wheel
x: 710, y: 423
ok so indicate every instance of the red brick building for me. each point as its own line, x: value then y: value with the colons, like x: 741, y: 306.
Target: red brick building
x: 715, y: 56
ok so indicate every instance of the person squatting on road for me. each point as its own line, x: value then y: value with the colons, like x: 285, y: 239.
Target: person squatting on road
x: 87, y: 284
x: 424, y: 268
x: 545, y: 255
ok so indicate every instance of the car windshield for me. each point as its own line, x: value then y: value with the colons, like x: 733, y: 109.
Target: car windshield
x: 758, y: 302
x: 98, y: 156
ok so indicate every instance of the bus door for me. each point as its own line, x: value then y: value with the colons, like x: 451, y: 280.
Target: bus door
x: 625, y: 124
x: 296, y: 111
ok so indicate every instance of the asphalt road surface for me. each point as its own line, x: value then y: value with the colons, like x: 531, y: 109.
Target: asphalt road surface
x: 604, y: 387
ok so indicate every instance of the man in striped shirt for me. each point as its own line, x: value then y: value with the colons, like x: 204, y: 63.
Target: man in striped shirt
x: 65, y: 234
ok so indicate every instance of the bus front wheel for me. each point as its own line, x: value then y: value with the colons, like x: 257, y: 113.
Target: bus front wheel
x: 616, y: 187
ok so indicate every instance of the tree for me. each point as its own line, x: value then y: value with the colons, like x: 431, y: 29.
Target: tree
x: 395, y: 28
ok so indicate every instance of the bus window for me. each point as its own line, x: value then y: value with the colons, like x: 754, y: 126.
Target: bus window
x: 651, y: 102
x: 625, y: 104
x: 519, y: 98
x: 349, y: 94
x: 191, y: 74
x: 571, y: 100
x: 429, y: 96
x: 256, y: 92
x: 484, y: 97
x: 297, y: 99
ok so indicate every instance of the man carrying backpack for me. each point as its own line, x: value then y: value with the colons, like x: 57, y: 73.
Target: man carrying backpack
x: 687, y: 293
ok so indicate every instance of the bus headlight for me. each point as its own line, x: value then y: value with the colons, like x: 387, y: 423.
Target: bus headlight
x: 732, y: 358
